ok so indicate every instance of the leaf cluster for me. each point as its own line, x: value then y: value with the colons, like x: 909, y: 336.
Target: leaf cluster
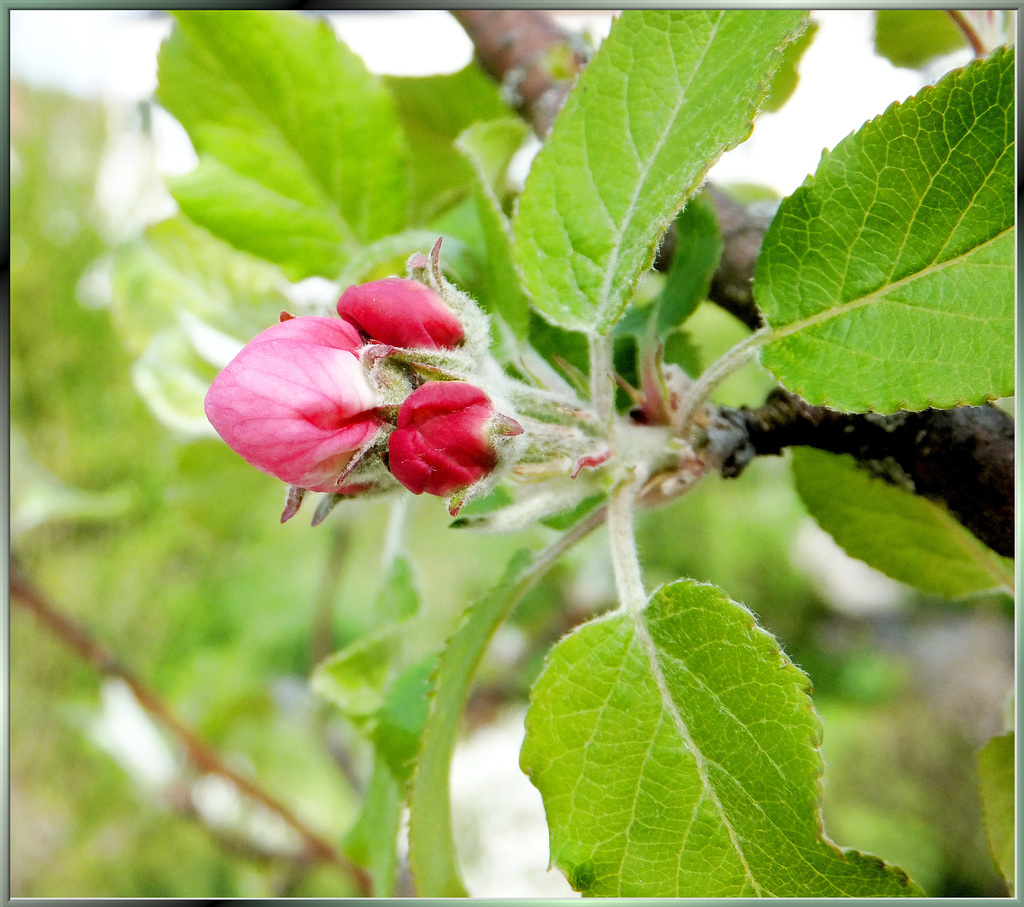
x: 674, y: 742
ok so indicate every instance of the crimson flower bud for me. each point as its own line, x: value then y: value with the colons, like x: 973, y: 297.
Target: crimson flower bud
x: 294, y: 402
x: 442, y: 443
x: 402, y: 313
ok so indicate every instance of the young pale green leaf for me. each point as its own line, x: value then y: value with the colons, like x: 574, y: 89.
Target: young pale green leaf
x: 899, y: 533
x: 912, y: 37
x: 179, y: 273
x: 169, y: 378
x: 372, y: 841
x: 489, y: 147
x: 399, y: 598
x: 301, y: 155
x: 355, y: 678
x: 360, y: 678
x: 785, y: 81
x: 387, y: 256
x: 402, y: 716
x: 433, y: 111
x: 666, y: 94
x: 432, y: 856
x: 677, y: 753
x: 996, y: 765
x: 888, y: 277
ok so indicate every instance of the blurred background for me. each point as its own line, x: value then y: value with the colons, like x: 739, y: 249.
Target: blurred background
x: 130, y: 518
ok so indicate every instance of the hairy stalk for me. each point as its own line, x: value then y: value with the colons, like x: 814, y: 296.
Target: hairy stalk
x: 716, y: 373
x: 622, y: 539
x: 397, y: 519
x: 602, y: 388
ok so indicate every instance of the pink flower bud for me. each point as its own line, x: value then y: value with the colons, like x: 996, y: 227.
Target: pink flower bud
x: 294, y: 402
x: 401, y: 313
x: 442, y: 442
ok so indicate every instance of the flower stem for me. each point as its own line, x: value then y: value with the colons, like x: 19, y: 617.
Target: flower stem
x: 716, y: 373
x: 601, y: 386
x: 397, y: 519
x: 625, y: 562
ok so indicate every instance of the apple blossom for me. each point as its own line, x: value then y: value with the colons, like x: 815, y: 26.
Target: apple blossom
x: 295, y: 404
x: 444, y: 439
x: 401, y: 313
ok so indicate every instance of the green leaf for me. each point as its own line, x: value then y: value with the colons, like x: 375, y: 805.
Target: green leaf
x: 905, y: 536
x: 355, y: 678
x: 360, y: 678
x: 569, y: 346
x: 387, y: 256
x: 996, y: 765
x: 178, y: 278
x: 432, y: 856
x: 888, y: 277
x: 372, y: 841
x: 681, y: 350
x: 399, y: 598
x: 912, y: 37
x: 697, y: 253
x: 489, y: 147
x: 665, y: 95
x: 433, y: 111
x: 301, y: 155
x: 785, y: 81
x: 402, y: 716
x: 676, y: 749
x: 179, y: 274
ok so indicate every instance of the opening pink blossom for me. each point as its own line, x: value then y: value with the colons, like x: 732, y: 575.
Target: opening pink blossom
x: 294, y: 402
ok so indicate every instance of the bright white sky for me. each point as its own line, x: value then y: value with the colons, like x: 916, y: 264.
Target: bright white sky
x: 113, y: 54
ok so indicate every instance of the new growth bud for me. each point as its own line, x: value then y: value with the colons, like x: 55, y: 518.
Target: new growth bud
x: 294, y: 402
x: 444, y: 441
x: 401, y: 313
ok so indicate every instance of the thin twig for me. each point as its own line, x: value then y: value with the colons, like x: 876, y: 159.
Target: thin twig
x: 199, y: 752
x: 973, y: 38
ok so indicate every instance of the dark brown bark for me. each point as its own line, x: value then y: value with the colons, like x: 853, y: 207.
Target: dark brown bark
x: 961, y: 457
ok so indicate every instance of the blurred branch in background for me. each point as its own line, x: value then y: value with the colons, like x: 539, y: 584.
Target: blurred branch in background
x: 534, y: 60
x: 202, y: 757
x: 972, y: 36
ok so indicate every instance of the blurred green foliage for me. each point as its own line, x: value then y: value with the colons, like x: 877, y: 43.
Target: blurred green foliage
x: 197, y: 587
x: 912, y: 37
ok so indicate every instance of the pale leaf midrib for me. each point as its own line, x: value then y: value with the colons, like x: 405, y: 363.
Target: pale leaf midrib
x: 878, y: 295
x: 646, y: 167
x: 668, y: 703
